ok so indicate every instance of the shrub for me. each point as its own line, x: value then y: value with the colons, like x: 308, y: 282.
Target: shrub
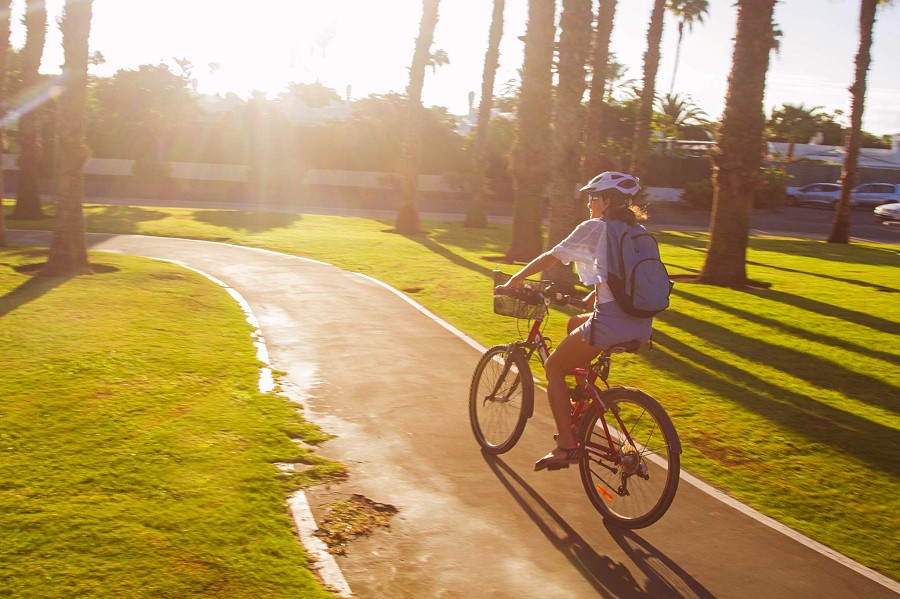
x: 699, y: 194
x: 772, y: 192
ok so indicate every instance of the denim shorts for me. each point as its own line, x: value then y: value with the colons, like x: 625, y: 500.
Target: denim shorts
x: 610, y: 325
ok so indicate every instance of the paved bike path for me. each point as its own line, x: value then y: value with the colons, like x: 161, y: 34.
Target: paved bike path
x: 391, y: 383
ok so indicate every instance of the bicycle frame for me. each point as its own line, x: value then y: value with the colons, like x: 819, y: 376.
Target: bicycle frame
x: 537, y: 343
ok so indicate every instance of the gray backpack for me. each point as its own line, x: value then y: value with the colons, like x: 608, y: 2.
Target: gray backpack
x: 637, y: 277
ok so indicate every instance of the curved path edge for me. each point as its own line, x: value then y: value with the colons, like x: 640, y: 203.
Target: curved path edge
x: 42, y: 238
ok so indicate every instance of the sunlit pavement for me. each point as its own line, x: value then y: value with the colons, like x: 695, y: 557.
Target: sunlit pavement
x: 391, y: 383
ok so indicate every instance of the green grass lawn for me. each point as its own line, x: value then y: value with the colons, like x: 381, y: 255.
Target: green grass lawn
x: 136, y: 450
x: 786, y: 398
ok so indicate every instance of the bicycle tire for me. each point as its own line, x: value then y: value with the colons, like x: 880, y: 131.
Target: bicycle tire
x: 646, y: 475
x: 498, y: 419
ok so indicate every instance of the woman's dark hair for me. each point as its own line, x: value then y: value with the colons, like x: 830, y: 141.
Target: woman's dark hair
x: 620, y: 208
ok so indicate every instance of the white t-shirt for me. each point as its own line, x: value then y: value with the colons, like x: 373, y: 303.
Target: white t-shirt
x: 586, y: 247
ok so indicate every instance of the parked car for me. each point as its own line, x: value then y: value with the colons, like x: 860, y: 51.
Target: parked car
x: 815, y: 194
x: 888, y: 212
x: 869, y: 195
x: 827, y: 195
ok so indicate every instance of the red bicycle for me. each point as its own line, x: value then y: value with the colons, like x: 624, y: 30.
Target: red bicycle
x: 630, y: 463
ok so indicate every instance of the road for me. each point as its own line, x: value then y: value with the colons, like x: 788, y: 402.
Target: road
x: 391, y: 383
x: 803, y: 222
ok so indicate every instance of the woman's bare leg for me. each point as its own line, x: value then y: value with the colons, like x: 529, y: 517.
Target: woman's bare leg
x: 573, y: 352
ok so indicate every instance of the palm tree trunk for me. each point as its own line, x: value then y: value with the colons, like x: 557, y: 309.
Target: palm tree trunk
x: 594, y: 135
x: 476, y: 215
x: 639, y: 150
x: 840, y: 227
x: 531, y: 154
x: 574, y: 47
x: 28, y: 196
x: 677, y: 56
x: 408, y: 215
x: 5, y: 51
x: 738, y: 158
x: 68, y: 249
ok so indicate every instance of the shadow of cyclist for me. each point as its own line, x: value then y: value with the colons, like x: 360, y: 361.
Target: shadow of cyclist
x: 607, y: 576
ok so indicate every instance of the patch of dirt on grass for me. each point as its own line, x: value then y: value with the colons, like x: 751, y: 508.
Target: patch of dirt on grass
x: 346, y: 520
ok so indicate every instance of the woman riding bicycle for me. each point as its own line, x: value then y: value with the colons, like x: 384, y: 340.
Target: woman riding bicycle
x: 609, y: 197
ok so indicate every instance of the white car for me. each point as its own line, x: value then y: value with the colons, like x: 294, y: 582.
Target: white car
x: 888, y: 212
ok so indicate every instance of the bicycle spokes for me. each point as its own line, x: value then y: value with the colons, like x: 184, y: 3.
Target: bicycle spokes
x: 629, y: 469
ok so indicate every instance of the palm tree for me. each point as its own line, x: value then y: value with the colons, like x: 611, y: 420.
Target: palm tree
x: 648, y: 92
x: 795, y: 121
x: 840, y: 228
x: 594, y: 135
x: 68, y: 249
x: 475, y: 216
x: 617, y: 79
x: 5, y: 51
x: 574, y: 47
x: 408, y: 170
x: 738, y: 158
x: 531, y: 154
x: 28, y: 197
x: 437, y: 59
x: 681, y: 113
x: 687, y: 12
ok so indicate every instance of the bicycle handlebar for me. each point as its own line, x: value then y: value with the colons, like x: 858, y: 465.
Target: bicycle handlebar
x: 536, y: 296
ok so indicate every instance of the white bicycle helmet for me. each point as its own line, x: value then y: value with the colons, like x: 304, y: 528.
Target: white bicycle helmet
x: 621, y: 182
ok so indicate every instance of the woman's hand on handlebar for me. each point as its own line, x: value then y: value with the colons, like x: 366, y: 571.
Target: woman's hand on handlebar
x: 507, y: 288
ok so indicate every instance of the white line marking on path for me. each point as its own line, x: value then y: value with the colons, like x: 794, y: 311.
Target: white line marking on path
x: 692, y: 480
x: 685, y: 476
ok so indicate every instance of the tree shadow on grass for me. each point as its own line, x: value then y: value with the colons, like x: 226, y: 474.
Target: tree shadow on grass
x: 844, y: 431
x: 121, y: 219
x: 827, y: 277
x: 29, y: 291
x: 805, y: 303
x: 247, y: 221
x: 609, y: 578
x: 821, y: 250
x: 440, y: 250
x: 802, y: 365
x: 786, y: 328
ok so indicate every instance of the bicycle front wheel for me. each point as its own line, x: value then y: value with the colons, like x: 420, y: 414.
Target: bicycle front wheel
x: 500, y: 399
x: 632, y: 463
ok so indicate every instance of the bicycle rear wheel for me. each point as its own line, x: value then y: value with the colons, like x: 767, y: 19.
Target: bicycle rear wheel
x: 500, y: 399
x: 631, y: 468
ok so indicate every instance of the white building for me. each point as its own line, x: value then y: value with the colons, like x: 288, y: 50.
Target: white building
x: 868, y: 157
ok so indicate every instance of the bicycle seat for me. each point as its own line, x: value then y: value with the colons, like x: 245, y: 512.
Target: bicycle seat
x: 624, y: 347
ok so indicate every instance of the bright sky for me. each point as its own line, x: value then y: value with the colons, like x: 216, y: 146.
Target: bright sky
x: 265, y: 44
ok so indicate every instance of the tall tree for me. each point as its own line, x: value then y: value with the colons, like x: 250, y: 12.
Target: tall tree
x: 476, y: 215
x: 5, y: 51
x: 687, y: 12
x: 28, y: 196
x: 408, y: 169
x: 648, y: 91
x: 574, y: 47
x: 68, y: 248
x: 795, y: 122
x: 840, y: 227
x: 739, y: 156
x: 531, y: 154
x: 594, y: 135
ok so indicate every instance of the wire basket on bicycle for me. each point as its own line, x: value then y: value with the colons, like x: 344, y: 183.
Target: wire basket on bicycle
x: 526, y: 303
